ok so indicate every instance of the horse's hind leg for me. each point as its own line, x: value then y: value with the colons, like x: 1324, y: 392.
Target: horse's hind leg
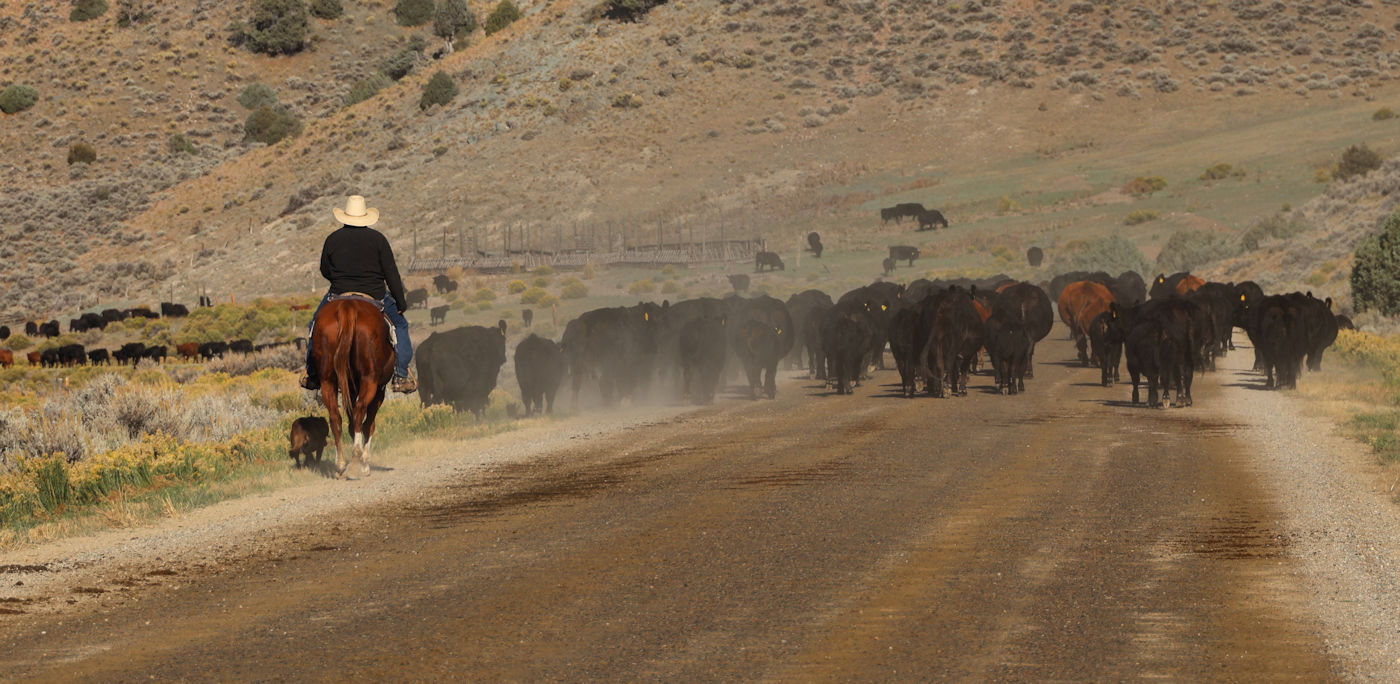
x: 328, y: 397
x: 371, y: 412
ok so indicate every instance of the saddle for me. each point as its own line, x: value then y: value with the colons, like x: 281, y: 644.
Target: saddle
x: 378, y: 304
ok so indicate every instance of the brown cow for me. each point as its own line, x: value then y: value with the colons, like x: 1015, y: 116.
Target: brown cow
x: 1189, y: 283
x: 308, y: 437
x: 1080, y: 304
x: 34, y: 358
x: 188, y: 350
x: 7, y: 358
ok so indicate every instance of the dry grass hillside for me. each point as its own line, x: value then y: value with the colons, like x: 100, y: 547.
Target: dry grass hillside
x: 762, y: 117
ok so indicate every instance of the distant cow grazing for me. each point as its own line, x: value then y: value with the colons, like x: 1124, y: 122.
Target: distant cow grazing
x: 899, y: 211
x: 930, y: 219
x: 131, y: 352
x: 814, y: 243
x: 141, y: 312
x: 31, y: 328
x: 188, y: 350
x: 50, y: 329
x: 440, y: 282
x: 437, y: 314
x: 1034, y: 256
x: 416, y: 297
x: 209, y: 350
x: 7, y: 358
x: 99, y: 357
x: 739, y: 282
x: 539, y: 370
x: 113, y: 315
x: 903, y: 252
x: 155, y: 353
x: 770, y: 260
x: 307, y: 439
x: 173, y: 310
x: 888, y: 265
x: 527, y: 316
x: 241, y: 346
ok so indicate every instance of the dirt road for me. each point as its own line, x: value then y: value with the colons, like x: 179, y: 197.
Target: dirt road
x: 1055, y: 535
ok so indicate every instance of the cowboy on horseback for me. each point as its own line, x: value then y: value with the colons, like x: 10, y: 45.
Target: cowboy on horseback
x: 357, y: 259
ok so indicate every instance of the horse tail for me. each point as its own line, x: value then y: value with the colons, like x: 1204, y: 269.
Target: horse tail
x: 340, y: 360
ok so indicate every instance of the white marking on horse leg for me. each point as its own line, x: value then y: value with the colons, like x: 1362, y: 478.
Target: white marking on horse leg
x: 360, y: 447
x: 364, y: 464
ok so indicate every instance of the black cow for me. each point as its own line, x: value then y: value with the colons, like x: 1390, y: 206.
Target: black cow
x: 701, y: 345
x: 884, y: 300
x: 739, y: 281
x: 437, y: 314
x: 770, y: 260
x: 307, y: 439
x: 206, y: 300
x: 173, y: 310
x: 70, y: 355
x: 847, y: 333
x: 671, y: 330
x: 99, y: 357
x: 440, y: 282
x: 94, y: 321
x: 459, y: 367
x: 155, y: 353
x: 241, y: 346
x: 758, y: 346
x: 31, y: 328
x: 1008, y: 343
x: 1321, y: 326
x: 1162, y: 343
x: 1281, y: 341
x: 617, y: 346
x: 901, y: 210
x: 930, y: 219
x: 416, y: 297
x: 904, y: 347
x: 141, y: 312
x: 1031, y: 305
x: 887, y: 265
x: 539, y: 368
x: 209, y: 350
x: 130, y: 352
x: 952, y: 333
x: 1106, y: 342
x: 527, y: 316
x: 4, y: 332
x: 113, y: 315
x: 814, y: 243
x: 50, y: 329
x: 902, y: 252
x: 1034, y: 256
x: 77, y: 325
x: 801, y: 307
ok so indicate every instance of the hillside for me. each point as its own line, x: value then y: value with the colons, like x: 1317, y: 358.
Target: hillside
x: 1020, y: 119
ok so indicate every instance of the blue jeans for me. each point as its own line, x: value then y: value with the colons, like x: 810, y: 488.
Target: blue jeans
x: 403, y: 349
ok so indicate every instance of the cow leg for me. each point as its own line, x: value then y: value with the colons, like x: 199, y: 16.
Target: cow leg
x: 1030, y: 363
x: 770, y: 386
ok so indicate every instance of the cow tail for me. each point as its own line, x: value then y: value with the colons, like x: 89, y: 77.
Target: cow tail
x: 340, y: 360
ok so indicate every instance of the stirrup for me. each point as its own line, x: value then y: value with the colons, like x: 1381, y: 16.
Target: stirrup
x: 307, y: 383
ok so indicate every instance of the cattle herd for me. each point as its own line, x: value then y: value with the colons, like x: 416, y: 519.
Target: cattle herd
x: 70, y: 355
x: 936, y: 333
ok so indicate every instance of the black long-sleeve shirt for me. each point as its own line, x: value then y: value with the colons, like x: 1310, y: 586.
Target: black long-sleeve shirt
x: 359, y: 259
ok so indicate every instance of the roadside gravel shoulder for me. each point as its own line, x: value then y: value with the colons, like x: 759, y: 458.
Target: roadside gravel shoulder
x: 1343, y: 527
x: 226, y: 532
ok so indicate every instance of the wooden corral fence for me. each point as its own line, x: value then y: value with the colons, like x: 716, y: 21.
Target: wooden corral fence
x: 648, y: 255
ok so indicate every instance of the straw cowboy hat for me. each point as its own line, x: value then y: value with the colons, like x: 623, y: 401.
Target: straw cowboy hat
x: 355, y: 213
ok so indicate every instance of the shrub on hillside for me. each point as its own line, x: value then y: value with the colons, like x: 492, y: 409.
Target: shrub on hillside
x: 18, y: 341
x: 504, y: 15
x: 532, y: 295
x: 1357, y: 160
x: 1383, y: 113
x: 1114, y: 254
x: 366, y: 88
x: 485, y: 294
x: 278, y: 27
x: 1276, y: 227
x: 643, y: 286
x: 181, y: 145
x: 268, y: 125
x: 439, y: 90
x: 1144, y: 185
x: 1217, y: 172
x: 1187, y: 250
x: 257, y: 95
x: 516, y: 286
x: 627, y: 101
x: 326, y: 9
x: 17, y: 98
x: 573, y: 289
x: 1375, y: 274
x: 81, y: 153
x: 401, y: 63
x: 1140, y: 216
x: 413, y: 12
x: 84, y: 10
x: 454, y: 19
x: 135, y: 12
x: 623, y: 10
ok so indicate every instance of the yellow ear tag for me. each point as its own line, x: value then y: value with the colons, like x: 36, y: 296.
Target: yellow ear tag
x: 884, y: 307
x: 646, y: 316
x: 1242, y: 297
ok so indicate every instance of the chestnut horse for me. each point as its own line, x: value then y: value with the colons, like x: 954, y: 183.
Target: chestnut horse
x: 355, y: 360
